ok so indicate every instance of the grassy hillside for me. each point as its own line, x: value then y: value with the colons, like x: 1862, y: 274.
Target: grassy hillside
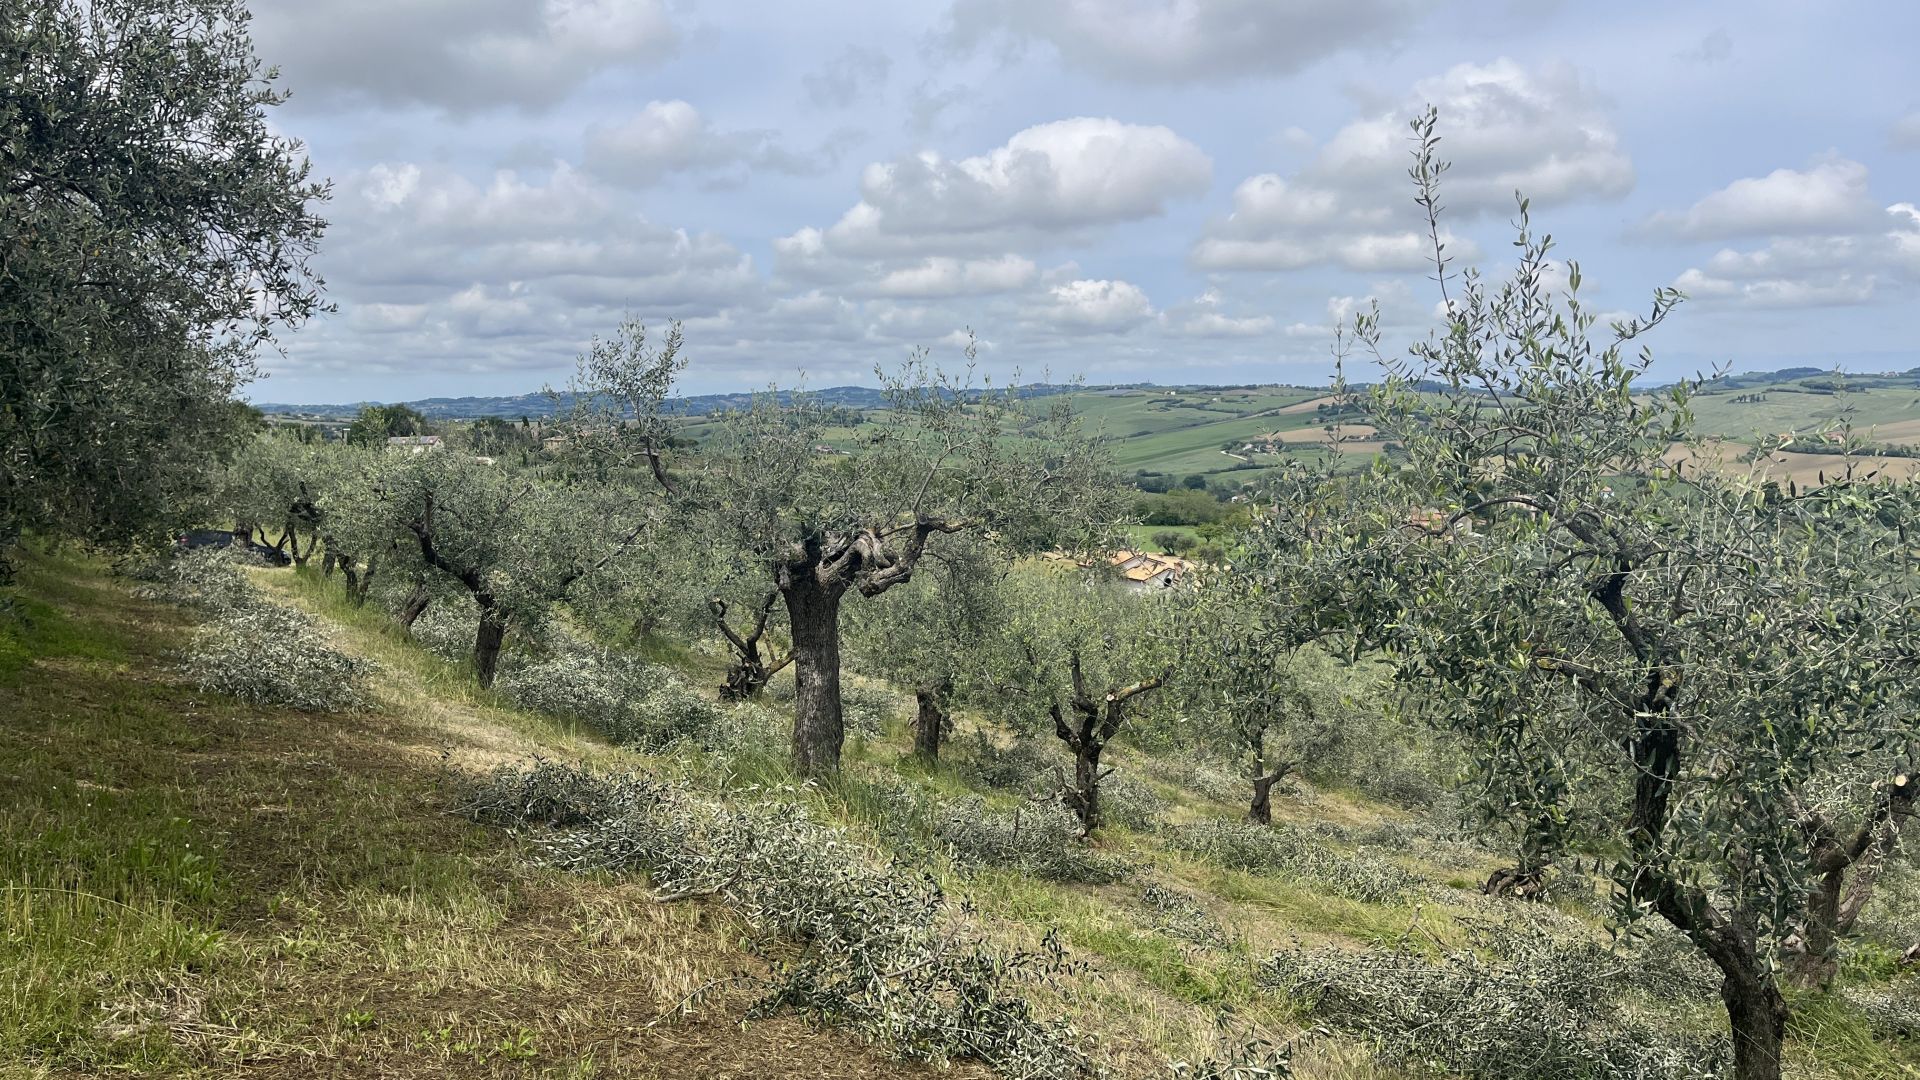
x: 197, y: 887
x: 1201, y: 430
x: 203, y: 887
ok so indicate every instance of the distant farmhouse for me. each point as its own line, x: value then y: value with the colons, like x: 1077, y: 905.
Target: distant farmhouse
x: 414, y: 444
x: 1140, y: 570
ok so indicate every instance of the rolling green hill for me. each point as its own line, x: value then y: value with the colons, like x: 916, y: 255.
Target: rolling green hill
x: 1182, y: 431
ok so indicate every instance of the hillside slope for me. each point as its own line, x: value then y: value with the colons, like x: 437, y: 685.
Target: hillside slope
x: 204, y: 888
x: 196, y: 887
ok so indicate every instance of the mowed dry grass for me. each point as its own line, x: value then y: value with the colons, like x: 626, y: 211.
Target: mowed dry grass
x: 1307, y: 406
x: 197, y: 887
x: 1802, y: 469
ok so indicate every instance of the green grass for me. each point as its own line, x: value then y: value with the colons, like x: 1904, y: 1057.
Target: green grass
x: 195, y: 887
x: 1788, y: 408
x: 1142, y: 536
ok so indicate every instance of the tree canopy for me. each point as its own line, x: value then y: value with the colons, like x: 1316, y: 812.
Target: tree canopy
x: 817, y: 521
x: 1705, y: 677
x: 154, y: 232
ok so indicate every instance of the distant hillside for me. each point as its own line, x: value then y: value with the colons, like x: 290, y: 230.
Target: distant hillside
x: 1818, y: 380
x: 538, y: 405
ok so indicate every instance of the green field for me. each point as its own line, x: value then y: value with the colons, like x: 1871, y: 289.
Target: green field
x: 1183, y: 431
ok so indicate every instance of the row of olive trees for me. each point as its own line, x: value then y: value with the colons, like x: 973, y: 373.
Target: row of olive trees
x: 770, y: 533
x: 778, y: 518
x: 1703, y: 678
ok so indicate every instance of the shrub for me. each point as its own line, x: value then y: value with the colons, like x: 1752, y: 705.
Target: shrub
x: 1235, y: 846
x: 249, y: 647
x: 545, y: 793
x: 1429, y: 836
x: 1893, y: 914
x: 1171, y: 542
x: 866, y: 709
x: 204, y: 578
x: 1207, y: 779
x: 1524, y: 1002
x: 595, y: 688
x: 671, y: 711
x: 1130, y: 802
x: 880, y: 951
x: 1892, y: 1012
x: 629, y: 701
x: 1042, y: 839
x: 447, y: 627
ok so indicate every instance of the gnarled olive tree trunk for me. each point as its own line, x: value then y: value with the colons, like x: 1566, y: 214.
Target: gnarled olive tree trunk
x: 1848, y: 867
x: 1093, y: 725
x: 487, y: 638
x: 814, y: 577
x: 414, y: 605
x: 813, y: 617
x: 1260, y: 809
x: 750, y: 671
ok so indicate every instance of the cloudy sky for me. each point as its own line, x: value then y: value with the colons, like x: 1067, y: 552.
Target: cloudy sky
x: 1126, y: 190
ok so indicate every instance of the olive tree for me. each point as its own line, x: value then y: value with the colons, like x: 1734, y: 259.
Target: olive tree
x: 154, y: 231
x: 273, y: 485
x: 756, y: 657
x: 1243, y: 691
x: 1084, y: 654
x: 820, y: 521
x: 1712, y: 676
x: 939, y: 635
x: 375, y: 424
x: 514, y: 543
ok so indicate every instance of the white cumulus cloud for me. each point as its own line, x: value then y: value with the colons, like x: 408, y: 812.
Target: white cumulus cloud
x: 1095, y: 306
x: 1506, y: 128
x: 458, y: 55
x: 1828, y: 196
x: 1052, y: 177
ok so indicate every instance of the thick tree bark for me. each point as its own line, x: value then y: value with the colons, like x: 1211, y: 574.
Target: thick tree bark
x: 813, y: 617
x: 1814, y: 959
x: 359, y: 579
x: 1756, y: 1010
x: 1758, y: 1014
x: 1528, y: 880
x: 814, y: 576
x: 930, y: 718
x: 414, y: 606
x: 487, y: 639
x: 289, y: 544
x: 1083, y: 798
x: 1849, y: 867
x: 1260, y: 810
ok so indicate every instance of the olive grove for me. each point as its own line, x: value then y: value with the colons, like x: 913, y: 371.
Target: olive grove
x: 818, y: 522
